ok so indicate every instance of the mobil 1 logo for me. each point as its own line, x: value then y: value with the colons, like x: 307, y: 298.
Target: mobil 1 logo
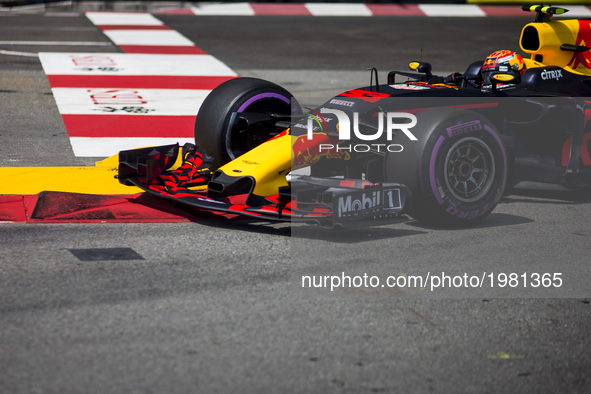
x: 367, y: 202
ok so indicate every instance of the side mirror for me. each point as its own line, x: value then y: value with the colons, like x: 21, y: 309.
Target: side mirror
x: 421, y: 68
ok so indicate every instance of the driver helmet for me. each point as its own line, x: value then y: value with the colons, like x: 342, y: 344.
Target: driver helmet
x: 503, y: 62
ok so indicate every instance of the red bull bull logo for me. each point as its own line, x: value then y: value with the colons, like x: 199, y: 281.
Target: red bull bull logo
x: 306, y: 152
x: 582, y: 60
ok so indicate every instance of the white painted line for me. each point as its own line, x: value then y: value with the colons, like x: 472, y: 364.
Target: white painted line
x: 338, y: 9
x: 140, y: 102
x: 123, y: 18
x: 148, y: 37
x: 16, y: 53
x: 462, y: 10
x: 243, y: 9
x: 116, y: 64
x: 72, y: 14
x: 106, y: 147
x: 23, y: 9
x: 56, y: 43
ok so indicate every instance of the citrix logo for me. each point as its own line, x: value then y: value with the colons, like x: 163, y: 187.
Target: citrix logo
x: 551, y: 74
x: 345, y: 125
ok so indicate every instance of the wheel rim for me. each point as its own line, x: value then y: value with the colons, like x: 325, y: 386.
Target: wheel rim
x: 239, y: 142
x: 469, y: 169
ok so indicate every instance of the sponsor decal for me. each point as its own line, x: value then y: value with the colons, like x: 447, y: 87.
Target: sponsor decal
x: 407, y: 86
x: 551, y: 74
x: 365, y: 95
x: 119, y: 100
x: 95, y: 63
x: 423, y: 86
x: 464, y: 128
x: 437, y: 85
x: 125, y: 109
x: 306, y: 152
x: 503, y: 77
x: 359, y: 203
x: 116, y: 97
x: 580, y: 61
x: 342, y: 103
x: 92, y: 60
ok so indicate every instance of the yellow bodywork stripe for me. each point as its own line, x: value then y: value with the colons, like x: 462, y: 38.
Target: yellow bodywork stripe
x: 267, y: 164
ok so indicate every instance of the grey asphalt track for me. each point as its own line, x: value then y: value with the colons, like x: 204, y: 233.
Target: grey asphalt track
x: 217, y: 306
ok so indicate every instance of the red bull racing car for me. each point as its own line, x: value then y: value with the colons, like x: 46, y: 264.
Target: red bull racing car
x: 441, y: 149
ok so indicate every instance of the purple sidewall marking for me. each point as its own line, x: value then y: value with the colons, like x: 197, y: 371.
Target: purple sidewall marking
x: 432, y: 181
x: 432, y: 170
x: 262, y: 96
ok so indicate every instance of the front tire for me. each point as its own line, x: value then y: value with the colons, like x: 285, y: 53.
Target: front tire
x: 456, y: 171
x: 218, y: 128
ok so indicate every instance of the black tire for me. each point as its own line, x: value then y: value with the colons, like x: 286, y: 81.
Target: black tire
x: 456, y: 171
x: 215, y: 129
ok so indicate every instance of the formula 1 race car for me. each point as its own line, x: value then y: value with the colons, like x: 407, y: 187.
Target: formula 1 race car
x: 440, y: 149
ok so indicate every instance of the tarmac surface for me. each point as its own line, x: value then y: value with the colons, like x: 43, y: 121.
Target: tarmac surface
x: 218, y: 305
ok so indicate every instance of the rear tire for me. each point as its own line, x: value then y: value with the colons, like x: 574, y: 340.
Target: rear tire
x: 456, y: 171
x: 216, y: 128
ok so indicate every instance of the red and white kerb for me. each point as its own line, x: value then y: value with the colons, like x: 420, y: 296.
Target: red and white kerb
x: 148, y: 95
